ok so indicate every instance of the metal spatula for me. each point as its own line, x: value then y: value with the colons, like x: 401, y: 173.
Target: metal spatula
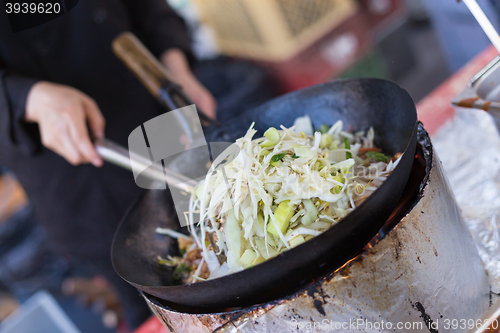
x: 118, y: 155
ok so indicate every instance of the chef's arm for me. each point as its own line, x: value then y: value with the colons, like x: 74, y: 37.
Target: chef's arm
x: 14, y: 131
x: 165, y: 34
x: 159, y: 27
x: 177, y: 64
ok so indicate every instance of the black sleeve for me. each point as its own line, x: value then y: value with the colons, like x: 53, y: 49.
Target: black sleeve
x: 14, y: 131
x: 159, y: 27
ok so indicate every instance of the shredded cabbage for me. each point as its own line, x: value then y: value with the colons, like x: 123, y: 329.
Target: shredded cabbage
x: 280, y: 191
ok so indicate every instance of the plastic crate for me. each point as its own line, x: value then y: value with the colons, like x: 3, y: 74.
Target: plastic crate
x: 271, y: 29
x: 328, y: 57
x: 338, y: 50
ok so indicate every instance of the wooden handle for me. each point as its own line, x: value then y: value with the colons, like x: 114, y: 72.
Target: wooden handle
x: 152, y: 74
x: 142, y: 63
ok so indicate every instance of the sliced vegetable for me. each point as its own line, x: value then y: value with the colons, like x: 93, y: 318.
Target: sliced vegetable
x: 171, y: 233
x: 167, y: 262
x: 323, y: 129
x: 337, y: 188
x: 263, y: 249
x: 259, y: 226
x: 334, y: 145
x: 283, y: 214
x: 326, y: 140
x: 377, y: 156
x: 259, y: 260
x: 248, y: 258
x: 311, y: 212
x: 345, y: 165
x: 347, y: 146
x: 360, y: 188
x: 273, y: 137
x: 180, y: 271
x: 276, y: 159
x: 232, y: 234
x: 297, y: 241
x: 302, y: 151
x: 304, y: 125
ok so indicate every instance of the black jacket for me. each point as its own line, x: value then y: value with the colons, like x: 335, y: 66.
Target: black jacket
x: 80, y: 206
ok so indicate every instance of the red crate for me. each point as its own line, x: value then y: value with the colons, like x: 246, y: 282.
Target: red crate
x: 380, y: 13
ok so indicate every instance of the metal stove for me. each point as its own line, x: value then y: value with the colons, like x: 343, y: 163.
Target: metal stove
x: 420, y: 273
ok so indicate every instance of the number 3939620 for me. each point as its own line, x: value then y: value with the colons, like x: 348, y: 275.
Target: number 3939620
x: 32, y: 8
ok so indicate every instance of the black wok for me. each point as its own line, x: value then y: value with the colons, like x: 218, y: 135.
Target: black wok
x: 359, y: 103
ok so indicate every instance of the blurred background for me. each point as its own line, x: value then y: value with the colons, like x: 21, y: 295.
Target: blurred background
x: 416, y: 43
x: 249, y: 52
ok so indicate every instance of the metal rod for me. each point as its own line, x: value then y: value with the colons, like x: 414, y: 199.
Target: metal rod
x: 484, y: 22
x: 113, y: 153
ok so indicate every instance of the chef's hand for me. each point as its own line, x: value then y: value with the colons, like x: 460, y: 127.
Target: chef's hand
x: 62, y: 114
x: 177, y: 65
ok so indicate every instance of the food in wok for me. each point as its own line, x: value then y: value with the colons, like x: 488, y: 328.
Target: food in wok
x: 280, y: 191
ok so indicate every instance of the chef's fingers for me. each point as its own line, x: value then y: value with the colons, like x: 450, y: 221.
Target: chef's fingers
x: 81, y: 139
x: 206, y: 102
x: 68, y: 149
x: 61, y: 143
x: 94, y: 117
